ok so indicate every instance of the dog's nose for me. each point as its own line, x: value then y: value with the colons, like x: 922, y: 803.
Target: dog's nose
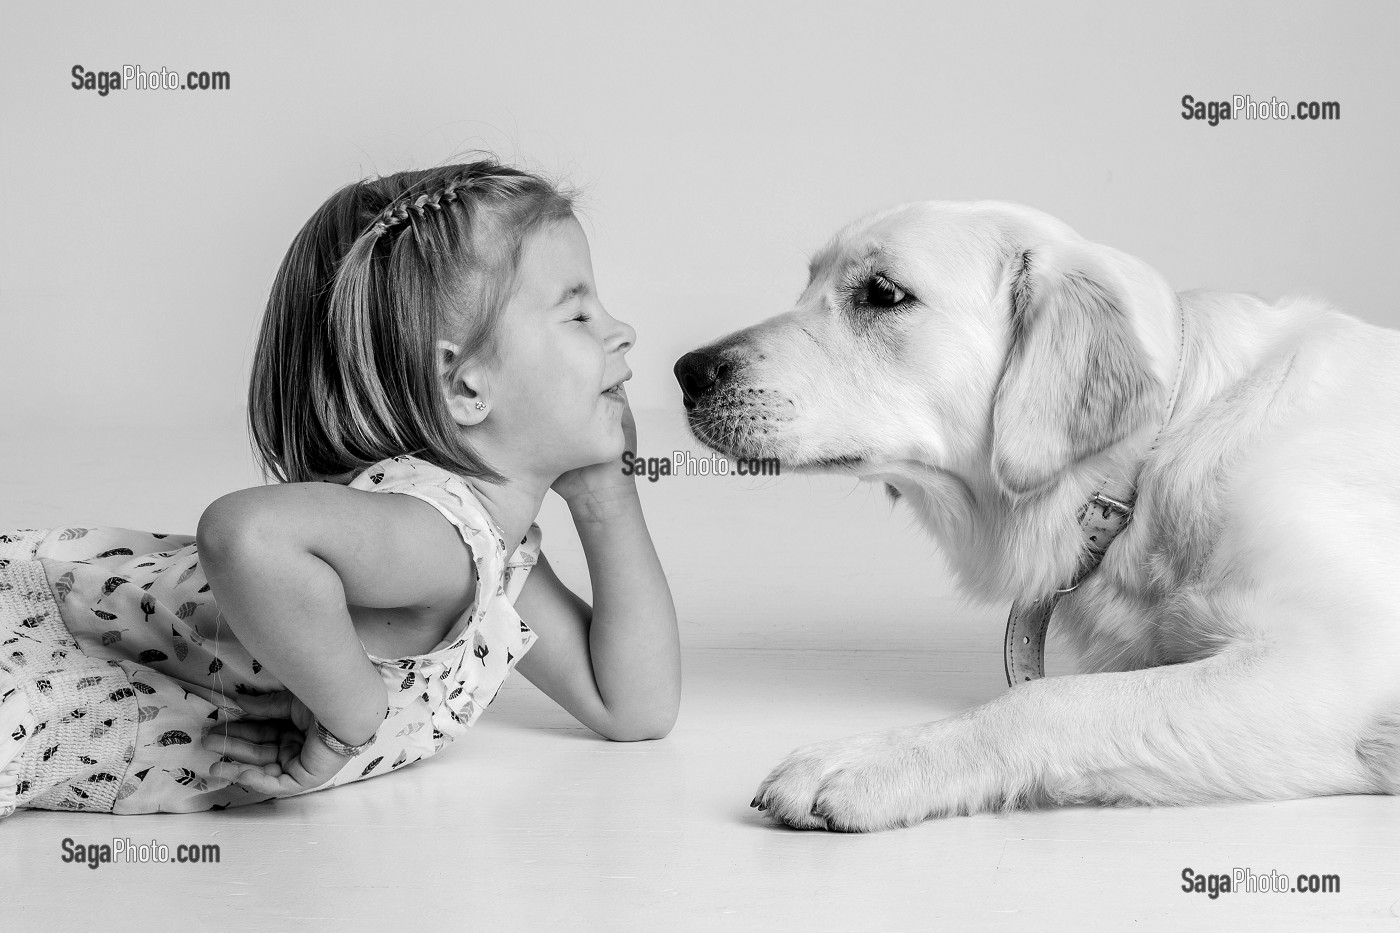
x: 697, y: 372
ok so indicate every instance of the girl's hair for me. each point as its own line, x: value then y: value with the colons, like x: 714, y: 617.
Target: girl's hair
x: 346, y: 370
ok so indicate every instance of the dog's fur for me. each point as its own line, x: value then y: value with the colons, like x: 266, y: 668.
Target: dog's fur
x: 1243, y: 629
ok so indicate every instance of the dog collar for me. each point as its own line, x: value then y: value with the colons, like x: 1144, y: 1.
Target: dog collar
x: 1101, y: 519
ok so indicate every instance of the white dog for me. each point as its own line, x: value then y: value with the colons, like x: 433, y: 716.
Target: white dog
x: 996, y: 371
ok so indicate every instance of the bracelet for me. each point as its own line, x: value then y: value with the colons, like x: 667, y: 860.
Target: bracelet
x: 339, y: 747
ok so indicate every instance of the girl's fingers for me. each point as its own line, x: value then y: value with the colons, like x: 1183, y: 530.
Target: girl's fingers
x: 268, y: 705
x: 271, y: 781
x: 240, y: 750
x: 263, y: 755
x: 250, y: 730
x: 287, y: 775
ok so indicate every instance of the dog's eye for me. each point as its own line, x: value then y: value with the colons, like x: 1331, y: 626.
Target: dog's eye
x: 880, y: 292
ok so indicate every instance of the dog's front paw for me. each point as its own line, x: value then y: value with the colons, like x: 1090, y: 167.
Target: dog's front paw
x: 874, y: 781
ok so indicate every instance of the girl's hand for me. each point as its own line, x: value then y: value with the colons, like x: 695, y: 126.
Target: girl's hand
x: 601, y: 481
x: 274, y: 750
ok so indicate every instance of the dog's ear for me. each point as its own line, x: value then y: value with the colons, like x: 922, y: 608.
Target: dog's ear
x: 1076, y: 379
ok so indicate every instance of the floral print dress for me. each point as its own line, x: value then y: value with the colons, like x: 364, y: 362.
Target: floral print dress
x: 115, y: 662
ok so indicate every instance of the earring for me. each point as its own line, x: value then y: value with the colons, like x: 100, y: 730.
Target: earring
x: 480, y: 406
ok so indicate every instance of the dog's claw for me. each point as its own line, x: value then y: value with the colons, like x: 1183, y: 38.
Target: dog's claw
x: 753, y: 802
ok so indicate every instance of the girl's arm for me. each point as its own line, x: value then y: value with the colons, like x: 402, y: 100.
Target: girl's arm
x: 616, y: 667
x: 285, y: 561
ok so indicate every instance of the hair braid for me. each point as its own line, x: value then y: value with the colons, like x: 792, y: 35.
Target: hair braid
x: 396, y: 212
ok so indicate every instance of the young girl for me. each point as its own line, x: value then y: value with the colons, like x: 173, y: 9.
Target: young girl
x: 434, y: 334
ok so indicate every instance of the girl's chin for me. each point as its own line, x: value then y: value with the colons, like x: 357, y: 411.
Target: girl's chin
x: 613, y: 451
x: 603, y: 443
x: 607, y: 450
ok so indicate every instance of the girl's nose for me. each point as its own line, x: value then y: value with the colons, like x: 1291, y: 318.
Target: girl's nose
x: 623, y: 336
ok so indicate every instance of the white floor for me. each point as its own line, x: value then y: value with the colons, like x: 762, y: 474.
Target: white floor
x: 809, y: 610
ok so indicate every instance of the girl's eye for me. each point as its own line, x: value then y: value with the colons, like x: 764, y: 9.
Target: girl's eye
x: 880, y: 292
x: 582, y: 318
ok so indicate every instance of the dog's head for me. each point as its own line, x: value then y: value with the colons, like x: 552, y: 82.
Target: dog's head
x: 979, y: 339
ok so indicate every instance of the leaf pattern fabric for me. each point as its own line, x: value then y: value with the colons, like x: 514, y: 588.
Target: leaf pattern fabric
x: 115, y: 662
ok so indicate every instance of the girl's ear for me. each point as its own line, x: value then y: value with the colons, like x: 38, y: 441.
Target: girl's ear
x: 463, y: 386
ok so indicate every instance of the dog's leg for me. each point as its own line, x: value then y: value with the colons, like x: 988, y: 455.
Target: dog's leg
x: 1242, y: 724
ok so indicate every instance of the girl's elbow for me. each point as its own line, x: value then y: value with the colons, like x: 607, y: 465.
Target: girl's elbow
x: 237, y: 529
x: 224, y: 527
x: 633, y: 734
x: 656, y: 724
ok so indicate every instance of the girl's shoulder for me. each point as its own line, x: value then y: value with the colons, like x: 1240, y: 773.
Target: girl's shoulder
x: 453, y: 497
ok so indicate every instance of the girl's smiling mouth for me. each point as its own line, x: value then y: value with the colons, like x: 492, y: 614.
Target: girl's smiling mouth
x: 615, y: 390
